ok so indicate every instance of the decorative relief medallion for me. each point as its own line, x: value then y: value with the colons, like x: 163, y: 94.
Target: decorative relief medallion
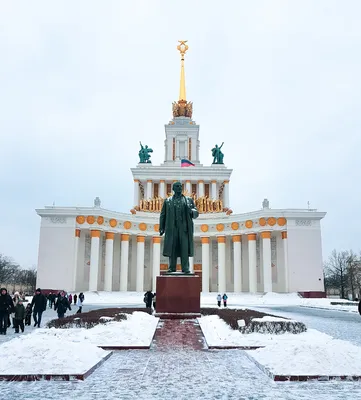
x: 90, y: 220
x: 235, y: 225
x: 113, y: 223
x: 281, y: 221
x: 303, y: 222
x: 100, y: 220
x: 249, y: 224
x: 220, y: 227
x: 127, y: 224
x: 262, y: 221
x: 204, y: 228
x: 156, y: 228
x: 58, y: 220
x: 80, y: 219
x: 142, y: 226
x: 271, y: 221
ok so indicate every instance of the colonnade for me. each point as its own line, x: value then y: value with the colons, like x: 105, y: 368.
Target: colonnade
x: 149, y: 189
x: 206, y: 267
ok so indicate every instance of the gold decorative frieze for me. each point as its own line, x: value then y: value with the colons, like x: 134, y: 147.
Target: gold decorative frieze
x: 262, y: 221
x: 204, y: 228
x: 127, y: 224
x: 113, y: 223
x: 235, y: 225
x: 143, y: 226
x: 271, y: 221
x: 100, y: 220
x: 156, y: 228
x: 220, y: 227
x: 249, y: 224
x: 90, y: 219
x: 281, y: 221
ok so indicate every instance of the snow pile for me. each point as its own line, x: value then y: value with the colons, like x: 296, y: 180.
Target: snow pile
x: 46, y: 354
x: 218, y: 333
x: 137, y: 330
x: 330, y: 357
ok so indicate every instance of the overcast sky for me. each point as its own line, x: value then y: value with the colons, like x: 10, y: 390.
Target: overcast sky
x: 81, y: 82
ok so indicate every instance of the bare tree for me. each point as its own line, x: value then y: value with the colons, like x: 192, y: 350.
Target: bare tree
x: 336, y: 269
x: 8, y: 270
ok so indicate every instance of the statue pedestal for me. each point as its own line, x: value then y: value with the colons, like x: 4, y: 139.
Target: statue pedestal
x: 178, y: 294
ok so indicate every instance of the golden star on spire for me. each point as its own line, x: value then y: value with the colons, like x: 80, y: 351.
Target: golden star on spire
x: 182, y: 47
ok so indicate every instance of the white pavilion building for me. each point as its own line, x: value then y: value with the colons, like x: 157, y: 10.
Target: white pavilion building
x: 268, y: 250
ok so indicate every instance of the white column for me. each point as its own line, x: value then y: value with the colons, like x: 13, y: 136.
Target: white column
x: 200, y: 188
x: 214, y: 190
x: 191, y: 264
x: 267, y: 264
x: 252, y: 263
x: 124, y: 255
x: 205, y: 264
x: 221, y: 264
x: 76, y: 251
x: 139, y: 285
x: 108, y: 270
x: 226, y: 194
x: 94, y: 260
x: 149, y: 189
x: 237, y: 263
x: 188, y: 187
x: 285, y: 260
x: 162, y: 189
x: 136, y: 192
x: 156, y: 260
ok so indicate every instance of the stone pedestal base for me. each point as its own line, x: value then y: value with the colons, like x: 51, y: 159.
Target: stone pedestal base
x: 178, y: 294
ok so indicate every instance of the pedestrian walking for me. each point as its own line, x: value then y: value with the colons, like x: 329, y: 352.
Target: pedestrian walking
x: 154, y: 300
x: 219, y: 299
x: 38, y: 304
x: 75, y: 298
x: 79, y: 303
x: 28, y: 315
x: 19, y: 313
x: 224, y: 297
x: 62, y: 305
x: 6, y: 308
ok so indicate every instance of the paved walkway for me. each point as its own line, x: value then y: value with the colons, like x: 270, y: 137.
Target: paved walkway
x: 177, y: 368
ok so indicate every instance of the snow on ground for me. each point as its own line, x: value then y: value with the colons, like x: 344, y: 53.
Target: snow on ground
x: 234, y: 300
x: 218, y: 333
x: 137, y: 330
x: 307, y: 353
x: 45, y: 354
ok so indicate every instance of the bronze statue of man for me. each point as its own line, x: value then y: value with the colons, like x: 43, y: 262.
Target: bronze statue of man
x: 176, y: 221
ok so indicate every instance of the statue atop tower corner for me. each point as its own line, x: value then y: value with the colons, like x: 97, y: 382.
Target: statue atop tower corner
x: 144, y: 156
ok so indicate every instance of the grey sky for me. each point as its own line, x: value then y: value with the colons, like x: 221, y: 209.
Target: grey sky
x: 82, y: 82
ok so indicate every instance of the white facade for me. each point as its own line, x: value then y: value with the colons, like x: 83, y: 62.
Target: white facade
x: 91, y: 248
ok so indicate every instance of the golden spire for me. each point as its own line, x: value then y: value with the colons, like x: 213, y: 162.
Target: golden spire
x: 182, y: 47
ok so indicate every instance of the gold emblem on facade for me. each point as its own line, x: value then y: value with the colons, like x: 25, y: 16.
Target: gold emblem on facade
x: 262, y: 221
x: 127, y: 224
x: 113, y: 223
x: 235, y: 226
x: 100, y: 220
x: 249, y: 224
x: 204, y: 228
x: 80, y: 219
x: 271, y: 221
x: 90, y: 220
x: 220, y: 227
x: 142, y: 226
x: 281, y: 221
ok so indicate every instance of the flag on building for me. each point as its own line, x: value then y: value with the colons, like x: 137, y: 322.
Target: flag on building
x: 186, y: 163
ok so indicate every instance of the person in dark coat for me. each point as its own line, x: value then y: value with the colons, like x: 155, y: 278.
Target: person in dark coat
x: 75, y: 298
x: 28, y: 315
x: 359, y: 307
x: 148, y: 297
x: 19, y: 313
x: 38, y: 304
x: 6, y: 308
x: 62, y: 305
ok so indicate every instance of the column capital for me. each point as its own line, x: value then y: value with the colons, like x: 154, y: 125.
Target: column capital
x: 213, y: 181
x: 149, y: 181
x: 236, y: 238
x: 252, y: 236
x: 162, y: 181
x: 140, y: 239
x: 221, y: 239
x: 204, y: 239
x: 284, y: 234
x: 95, y: 233
x: 109, y: 235
x: 136, y: 180
x: 226, y: 181
x: 77, y: 232
x: 266, y: 235
x: 157, y: 239
x: 124, y: 237
x: 201, y: 181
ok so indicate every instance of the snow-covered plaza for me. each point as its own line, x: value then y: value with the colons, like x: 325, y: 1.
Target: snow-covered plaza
x: 185, y: 373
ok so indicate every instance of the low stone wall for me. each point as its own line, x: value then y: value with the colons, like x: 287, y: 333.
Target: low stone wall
x: 273, y: 327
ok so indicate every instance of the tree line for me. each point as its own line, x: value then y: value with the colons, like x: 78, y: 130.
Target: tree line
x: 13, y: 276
x: 342, y: 272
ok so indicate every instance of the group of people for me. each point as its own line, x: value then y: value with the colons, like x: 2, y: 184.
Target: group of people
x: 223, y: 297
x: 13, y: 307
